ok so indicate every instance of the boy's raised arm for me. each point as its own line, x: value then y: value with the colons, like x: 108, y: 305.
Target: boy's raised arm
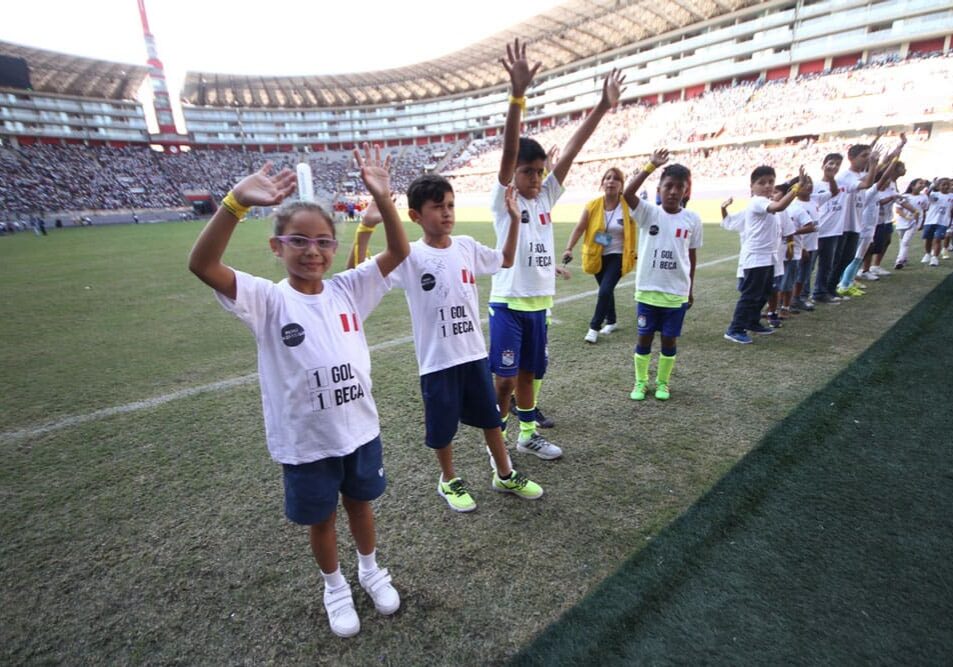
x: 658, y: 158
x: 611, y: 91
x: 258, y: 189
x: 789, y: 196
x: 521, y: 76
x: 376, y: 177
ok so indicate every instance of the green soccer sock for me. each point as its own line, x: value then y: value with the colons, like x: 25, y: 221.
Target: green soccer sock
x: 527, y: 426
x: 537, y: 384
x: 642, y: 367
x: 665, y: 366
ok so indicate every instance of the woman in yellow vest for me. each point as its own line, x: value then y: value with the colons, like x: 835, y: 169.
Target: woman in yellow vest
x: 608, y: 248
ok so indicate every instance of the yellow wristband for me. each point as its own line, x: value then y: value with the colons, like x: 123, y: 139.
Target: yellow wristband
x: 234, y: 207
x: 649, y: 168
x: 361, y: 229
x: 796, y: 188
x: 518, y: 101
x: 364, y: 229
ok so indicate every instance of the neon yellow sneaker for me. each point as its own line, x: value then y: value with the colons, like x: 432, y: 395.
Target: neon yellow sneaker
x: 855, y: 291
x: 843, y: 291
x: 661, y: 391
x: 456, y: 494
x: 518, y: 484
x: 638, y: 393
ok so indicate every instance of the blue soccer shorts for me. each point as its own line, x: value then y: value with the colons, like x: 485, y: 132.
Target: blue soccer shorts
x: 517, y: 341
x: 455, y: 395
x: 668, y: 321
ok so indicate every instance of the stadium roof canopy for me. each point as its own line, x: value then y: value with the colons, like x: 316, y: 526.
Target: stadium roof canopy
x: 63, y: 74
x: 570, y: 32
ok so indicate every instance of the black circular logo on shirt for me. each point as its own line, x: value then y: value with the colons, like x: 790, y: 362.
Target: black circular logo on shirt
x: 524, y: 217
x: 292, y: 334
x: 427, y: 282
x: 653, y: 230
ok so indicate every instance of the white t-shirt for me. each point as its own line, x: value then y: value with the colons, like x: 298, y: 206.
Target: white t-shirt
x: 787, y: 228
x: 664, y: 241
x: 440, y: 286
x: 759, y: 235
x: 884, y: 211
x: 939, y: 211
x: 849, y: 183
x: 904, y: 219
x: 313, y: 363
x: 804, y: 213
x: 829, y: 218
x: 615, y: 228
x: 534, y: 268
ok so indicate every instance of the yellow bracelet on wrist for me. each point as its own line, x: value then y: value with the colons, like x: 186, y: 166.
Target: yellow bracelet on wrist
x: 649, y: 168
x: 796, y: 188
x: 364, y: 229
x: 519, y: 101
x: 233, y: 206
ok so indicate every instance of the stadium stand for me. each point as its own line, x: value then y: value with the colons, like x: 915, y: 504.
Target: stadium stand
x: 720, y: 83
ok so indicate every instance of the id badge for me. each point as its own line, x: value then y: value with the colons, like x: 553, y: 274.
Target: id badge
x: 603, y: 238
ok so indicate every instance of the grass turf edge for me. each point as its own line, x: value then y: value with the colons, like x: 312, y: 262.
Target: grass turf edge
x: 600, y: 629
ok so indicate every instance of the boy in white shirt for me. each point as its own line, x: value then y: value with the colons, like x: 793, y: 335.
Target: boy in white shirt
x: 669, y: 236
x: 439, y: 281
x: 803, y: 212
x: 760, y: 235
x: 937, y: 220
x: 522, y: 294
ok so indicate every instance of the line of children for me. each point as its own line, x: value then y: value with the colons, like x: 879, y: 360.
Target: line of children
x: 760, y: 232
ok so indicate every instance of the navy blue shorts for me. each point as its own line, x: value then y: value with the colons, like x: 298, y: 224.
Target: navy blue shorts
x: 459, y: 394
x: 311, y: 489
x: 656, y: 318
x: 934, y: 231
x: 517, y: 341
x: 790, y: 274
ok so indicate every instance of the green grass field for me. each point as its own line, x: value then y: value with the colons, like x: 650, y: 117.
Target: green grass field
x: 143, y: 518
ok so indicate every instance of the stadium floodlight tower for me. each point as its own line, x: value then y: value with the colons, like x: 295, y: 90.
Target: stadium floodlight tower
x: 160, y: 101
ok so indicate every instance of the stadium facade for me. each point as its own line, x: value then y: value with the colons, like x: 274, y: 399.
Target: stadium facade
x: 669, y: 52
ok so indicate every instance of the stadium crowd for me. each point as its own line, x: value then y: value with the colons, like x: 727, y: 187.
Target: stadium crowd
x: 748, y: 123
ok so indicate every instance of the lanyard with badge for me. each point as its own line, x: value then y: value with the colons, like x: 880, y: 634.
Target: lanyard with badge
x: 604, y: 238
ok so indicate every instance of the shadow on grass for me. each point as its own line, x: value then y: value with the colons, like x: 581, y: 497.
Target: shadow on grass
x: 830, y: 543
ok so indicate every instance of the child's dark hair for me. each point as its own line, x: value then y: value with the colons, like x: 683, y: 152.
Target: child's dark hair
x: 782, y: 187
x: 677, y: 172
x: 912, y: 184
x: 530, y: 151
x: 763, y: 170
x: 286, y: 211
x: 856, y: 150
x: 428, y: 187
x: 832, y: 156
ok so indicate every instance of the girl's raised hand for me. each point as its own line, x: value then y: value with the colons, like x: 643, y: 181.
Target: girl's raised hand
x: 612, y: 88
x: 264, y: 188
x: 374, y: 172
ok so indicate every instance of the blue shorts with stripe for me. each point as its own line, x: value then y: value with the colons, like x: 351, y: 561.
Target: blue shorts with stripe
x: 517, y: 341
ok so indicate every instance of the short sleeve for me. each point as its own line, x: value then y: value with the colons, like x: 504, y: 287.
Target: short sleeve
x: 486, y: 260
x: 645, y: 214
x: 759, y: 205
x: 498, y: 201
x: 550, y: 191
x: 250, y: 304
x: 697, y: 237
x: 365, y: 285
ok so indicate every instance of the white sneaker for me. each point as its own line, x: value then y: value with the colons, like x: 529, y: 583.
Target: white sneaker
x: 944, y: 255
x: 879, y: 271
x: 592, y: 336
x: 341, y: 613
x: 377, y: 584
x: 868, y: 275
x: 934, y: 261
x: 608, y: 329
x: 539, y: 446
x: 926, y: 258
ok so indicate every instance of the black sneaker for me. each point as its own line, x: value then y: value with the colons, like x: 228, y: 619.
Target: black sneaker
x: 542, y: 420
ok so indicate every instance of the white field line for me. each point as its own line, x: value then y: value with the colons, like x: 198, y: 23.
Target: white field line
x: 145, y: 404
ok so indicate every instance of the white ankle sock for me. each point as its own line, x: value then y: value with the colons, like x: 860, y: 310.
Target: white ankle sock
x: 333, y: 579
x: 367, y: 563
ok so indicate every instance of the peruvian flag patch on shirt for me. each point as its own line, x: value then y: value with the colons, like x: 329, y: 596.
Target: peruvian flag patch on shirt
x: 545, y: 219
